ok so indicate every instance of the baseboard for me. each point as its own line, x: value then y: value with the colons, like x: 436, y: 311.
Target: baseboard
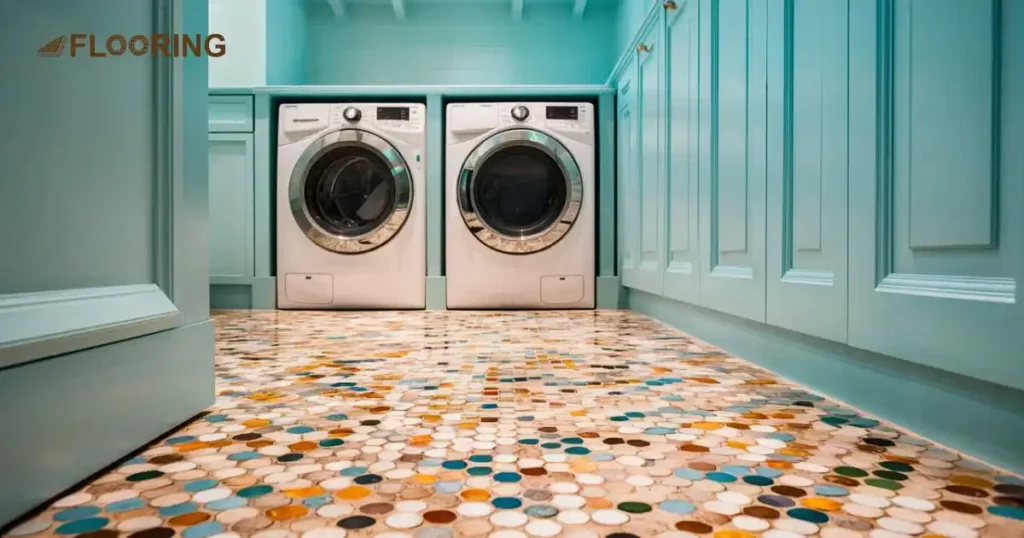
x: 610, y: 294
x: 256, y: 293
x: 261, y: 293
x: 44, y: 324
x: 978, y: 418
x: 437, y: 293
x: 72, y: 415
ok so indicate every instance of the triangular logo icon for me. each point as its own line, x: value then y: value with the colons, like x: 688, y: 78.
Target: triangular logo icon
x: 53, y: 47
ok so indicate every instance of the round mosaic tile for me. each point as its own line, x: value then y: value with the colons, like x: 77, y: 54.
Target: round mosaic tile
x: 522, y: 424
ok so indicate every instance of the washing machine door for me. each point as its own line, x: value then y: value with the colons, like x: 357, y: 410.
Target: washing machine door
x: 351, y: 192
x: 520, y: 191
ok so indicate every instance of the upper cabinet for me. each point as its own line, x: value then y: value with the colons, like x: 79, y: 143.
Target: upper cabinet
x: 936, y: 227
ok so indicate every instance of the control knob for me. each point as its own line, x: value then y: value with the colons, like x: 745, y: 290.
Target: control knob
x: 352, y: 114
x: 520, y: 113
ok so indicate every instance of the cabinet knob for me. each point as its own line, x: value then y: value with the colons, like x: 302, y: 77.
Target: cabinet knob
x: 669, y: 5
x: 643, y: 48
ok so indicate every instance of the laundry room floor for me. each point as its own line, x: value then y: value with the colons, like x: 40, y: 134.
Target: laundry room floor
x: 577, y: 424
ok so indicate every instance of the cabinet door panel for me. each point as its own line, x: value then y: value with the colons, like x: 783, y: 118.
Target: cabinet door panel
x: 936, y: 231
x: 682, y: 51
x: 649, y: 153
x: 231, y: 205
x: 628, y: 181
x: 732, y: 174
x: 808, y: 158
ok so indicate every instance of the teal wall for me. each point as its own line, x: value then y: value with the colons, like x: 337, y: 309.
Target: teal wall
x: 244, y: 25
x: 286, y: 43
x: 462, y: 43
x: 266, y: 42
x: 842, y: 171
x: 103, y: 217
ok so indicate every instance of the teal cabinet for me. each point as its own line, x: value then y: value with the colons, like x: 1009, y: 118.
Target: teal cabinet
x: 627, y: 178
x: 239, y: 202
x: 844, y: 169
x: 231, y: 205
x: 682, y: 136
x: 230, y: 114
x: 808, y: 156
x: 936, y: 227
x: 650, y: 247
x: 733, y: 170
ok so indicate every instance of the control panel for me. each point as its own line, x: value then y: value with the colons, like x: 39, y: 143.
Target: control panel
x: 576, y: 117
x: 408, y: 118
x: 565, y: 113
x: 393, y: 113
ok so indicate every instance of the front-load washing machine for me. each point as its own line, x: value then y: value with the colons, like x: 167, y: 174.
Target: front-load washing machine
x: 351, y: 229
x: 520, y: 182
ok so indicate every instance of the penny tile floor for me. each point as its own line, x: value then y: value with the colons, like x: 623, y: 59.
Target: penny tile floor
x: 507, y: 425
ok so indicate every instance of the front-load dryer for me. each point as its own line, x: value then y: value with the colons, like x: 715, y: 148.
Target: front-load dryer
x: 351, y: 229
x: 520, y: 182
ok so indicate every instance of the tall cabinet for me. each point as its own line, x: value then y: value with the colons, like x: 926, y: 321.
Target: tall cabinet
x: 839, y: 168
x: 808, y: 167
x: 238, y: 205
x: 682, y: 172
x: 937, y: 226
x: 231, y: 188
x: 732, y: 156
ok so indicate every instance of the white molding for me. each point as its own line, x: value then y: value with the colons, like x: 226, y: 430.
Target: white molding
x: 399, y: 7
x: 44, y: 324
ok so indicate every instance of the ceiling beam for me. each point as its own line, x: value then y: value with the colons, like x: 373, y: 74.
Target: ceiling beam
x: 517, y: 10
x: 338, y: 7
x: 578, y: 8
x: 399, y: 7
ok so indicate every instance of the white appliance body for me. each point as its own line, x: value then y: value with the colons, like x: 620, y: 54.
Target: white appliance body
x: 351, y: 223
x: 520, y: 183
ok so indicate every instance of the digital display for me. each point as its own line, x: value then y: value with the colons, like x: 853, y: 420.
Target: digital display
x: 400, y: 113
x: 563, y: 113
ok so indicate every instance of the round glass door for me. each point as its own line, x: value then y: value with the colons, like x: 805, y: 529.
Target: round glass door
x: 350, y: 192
x: 520, y: 191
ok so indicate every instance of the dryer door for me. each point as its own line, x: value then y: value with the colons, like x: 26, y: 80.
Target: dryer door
x: 520, y: 191
x: 350, y: 192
